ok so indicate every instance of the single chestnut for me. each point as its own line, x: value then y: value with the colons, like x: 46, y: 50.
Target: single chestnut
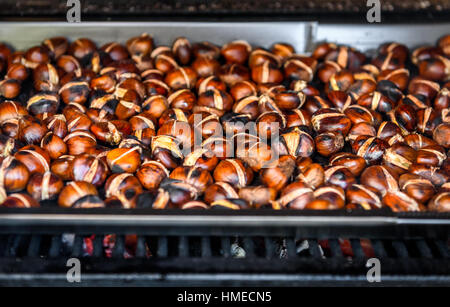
x: 14, y: 174
x: 219, y: 190
x: 20, y: 200
x: 122, y: 160
x: 234, y: 172
x: 89, y: 168
x: 74, y: 191
x: 328, y: 143
x: 416, y: 187
x: 44, y: 186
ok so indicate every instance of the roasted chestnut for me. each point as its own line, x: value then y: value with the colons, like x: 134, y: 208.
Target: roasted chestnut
x: 20, y: 200
x: 234, y: 172
x: 89, y: 168
x: 44, y: 186
x: 74, y: 191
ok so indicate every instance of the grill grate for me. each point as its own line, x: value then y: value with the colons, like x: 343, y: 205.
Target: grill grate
x: 220, y: 257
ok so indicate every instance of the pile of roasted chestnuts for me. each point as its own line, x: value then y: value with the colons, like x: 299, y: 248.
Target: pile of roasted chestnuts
x: 199, y: 126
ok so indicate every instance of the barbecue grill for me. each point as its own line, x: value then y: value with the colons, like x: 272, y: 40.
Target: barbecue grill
x: 250, y: 248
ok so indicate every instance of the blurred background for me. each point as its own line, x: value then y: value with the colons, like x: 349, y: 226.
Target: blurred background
x: 324, y: 10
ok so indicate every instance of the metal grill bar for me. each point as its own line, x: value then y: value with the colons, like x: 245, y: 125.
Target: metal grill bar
x: 443, y: 248
x: 141, y: 247
x: 162, y: 247
x: 98, y: 246
x: 119, y: 247
x: 25, y: 254
x: 400, y: 249
x: 424, y: 249
x: 55, y: 247
x: 314, y: 248
x: 249, y: 247
x: 183, y: 249
x: 357, y: 248
x: 226, y: 247
x: 13, y: 245
x: 206, y: 247
x: 34, y: 246
x: 77, y: 246
x: 379, y: 249
x: 270, y: 247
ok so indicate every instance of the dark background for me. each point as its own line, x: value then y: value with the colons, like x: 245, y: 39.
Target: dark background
x: 393, y: 11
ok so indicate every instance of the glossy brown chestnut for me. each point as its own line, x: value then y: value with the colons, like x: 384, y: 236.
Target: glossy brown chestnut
x: 370, y: 148
x: 416, y: 187
x: 151, y: 174
x: 441, y: 135
x: 201, y: 158
x: 182, y: 77
x: 339, y: 176
x: 216, y: 99
x: 30, y: 131
x: 74, y: 191
x: 234, y: 172
x: 14, y: 174
x: 437, y: 176
x: 219, y: 190
x: 381, y: 178
x: 289, y: 100
x: 79, y: 142
x: 266, y: 73
x: 34, y: 158
x: 62, y: 167
x: 125, y: 187
x: 11, y: 110
x: 300, y: 68
x: 258, y: 196
x: 359, y: 114
x: 199, y: 178
x: 334, y: 194
x: 328, y: 143
x: 166, y: 150
x: 205, y: 66
x: 278, y: 173
x: 313, y: 175
x: 232, y: 73
x: 354, y: 163
x: 236, y: 52
x: 269, y: 124
x: 400, y: 202
x: 230, y: 204
x: 399, y: 157
x: 440, y: 202
x: 363, y: 196
x: 422, y: 86
x: 298, y: 117
x: 90, y: 169
x: 44, y: 186
x: 20, y: 200
x: 54, y: 145
x: 295, y: 196
x: 326, y: 120
x: 122, y: 160
x: 360, y: 129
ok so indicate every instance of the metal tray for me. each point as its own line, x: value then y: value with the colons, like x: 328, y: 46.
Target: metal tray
x: 303, y: 36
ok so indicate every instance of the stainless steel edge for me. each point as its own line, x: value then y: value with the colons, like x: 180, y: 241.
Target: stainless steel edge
x: 198, y: 221
x: 303, y: 35
x: 26, y: 34
x: 369, y: 36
